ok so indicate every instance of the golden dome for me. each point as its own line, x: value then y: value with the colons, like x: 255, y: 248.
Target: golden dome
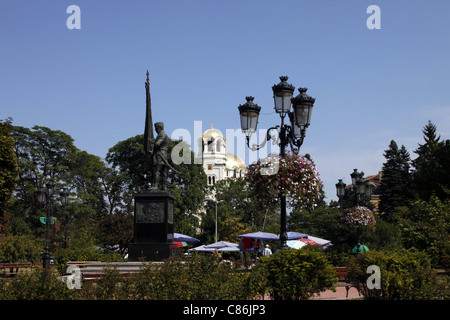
x: 233, y: 161
x: 212, y: 133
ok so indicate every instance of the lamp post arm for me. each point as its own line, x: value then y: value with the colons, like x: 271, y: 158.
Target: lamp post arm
x: 268, y: 137
x: 295, y: 143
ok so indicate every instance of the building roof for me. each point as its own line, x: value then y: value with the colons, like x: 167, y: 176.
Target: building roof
x: 212, y: 133
x: 233, y: 161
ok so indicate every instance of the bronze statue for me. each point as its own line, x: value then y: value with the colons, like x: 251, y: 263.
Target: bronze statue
x: 153, y: 208
x: 158, y: 147
x: 160, y: 160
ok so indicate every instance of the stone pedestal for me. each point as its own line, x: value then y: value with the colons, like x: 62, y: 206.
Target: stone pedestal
x: 153, y: 227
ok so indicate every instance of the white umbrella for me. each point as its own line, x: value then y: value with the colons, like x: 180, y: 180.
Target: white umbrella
x: 202, y: 248
x: 183, y: 238
x: 229, y: 249
x: 221, y: 244
x: 295, y: 244
x: 292, y: 235
x: 321, y: 242
x: 260, y: 235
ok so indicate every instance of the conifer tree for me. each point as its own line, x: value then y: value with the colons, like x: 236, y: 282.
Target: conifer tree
x: 430, y: 175
x: 395, y: 184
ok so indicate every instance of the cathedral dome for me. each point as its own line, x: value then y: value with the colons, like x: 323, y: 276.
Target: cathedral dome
x: 233, y: 161
x: 212, y: 133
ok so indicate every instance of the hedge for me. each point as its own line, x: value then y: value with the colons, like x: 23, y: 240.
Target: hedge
x: 404, y: 275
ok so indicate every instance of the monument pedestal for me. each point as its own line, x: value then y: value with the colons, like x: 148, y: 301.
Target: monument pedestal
x: 153, y: 227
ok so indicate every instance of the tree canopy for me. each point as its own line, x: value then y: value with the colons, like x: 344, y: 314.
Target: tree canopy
x: 431, y: 174
x: 396, y: 182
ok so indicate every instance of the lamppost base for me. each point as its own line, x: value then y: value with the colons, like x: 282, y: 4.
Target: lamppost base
x: 46, y: 259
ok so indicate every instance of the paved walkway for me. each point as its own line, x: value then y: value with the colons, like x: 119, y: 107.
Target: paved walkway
x: 340, y: 294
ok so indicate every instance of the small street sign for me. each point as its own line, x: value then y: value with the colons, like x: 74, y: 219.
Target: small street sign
x: 44, y: 220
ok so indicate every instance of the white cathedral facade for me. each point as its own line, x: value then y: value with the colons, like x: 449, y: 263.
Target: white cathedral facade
x: 217, y: 163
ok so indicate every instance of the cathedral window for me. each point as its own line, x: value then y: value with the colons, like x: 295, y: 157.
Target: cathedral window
x: 210, y: 146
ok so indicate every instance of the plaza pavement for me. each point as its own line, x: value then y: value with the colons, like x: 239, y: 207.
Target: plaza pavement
x: 340, y: 294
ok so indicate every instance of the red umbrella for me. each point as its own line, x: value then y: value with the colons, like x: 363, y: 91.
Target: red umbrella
x: 308, y: 241
x: 180, y: 243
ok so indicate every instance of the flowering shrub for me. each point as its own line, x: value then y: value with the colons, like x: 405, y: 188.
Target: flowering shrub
x: 358, y: 216
x: 292, y: 175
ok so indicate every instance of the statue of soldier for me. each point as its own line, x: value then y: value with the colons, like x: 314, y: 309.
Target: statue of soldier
x: 160, y: 161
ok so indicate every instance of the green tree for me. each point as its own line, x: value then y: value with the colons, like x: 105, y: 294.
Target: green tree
x: 115, y: 185
x: 128, y: 157
x: 86, y: 176
x: 42, y: 155
x: 115, y: 230
x: 323, y: 221
x: 235, y: 194
x: 396, y: 182
x: 19, y: 248
x: 426, y: 226
x: 8, y: 173
x: 431, y: 173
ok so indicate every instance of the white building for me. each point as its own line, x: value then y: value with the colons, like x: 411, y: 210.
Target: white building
x: 217, y: 163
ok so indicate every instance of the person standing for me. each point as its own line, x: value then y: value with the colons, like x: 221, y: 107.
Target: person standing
x: 267, y: 251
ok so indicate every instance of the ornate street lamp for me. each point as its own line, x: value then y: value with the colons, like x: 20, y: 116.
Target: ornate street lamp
x: 302, y: 106
x: 361, y: 188
x: 355, y: 175
x: 249, y: 113
x: 41, y: 196
x: 64, y: 196
x: 340, y: 189
x: 46, y: 200
x: 293, y: 134
x: 282, y: 96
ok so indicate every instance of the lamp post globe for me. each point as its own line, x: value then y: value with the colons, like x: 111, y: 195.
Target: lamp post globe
x: 41, y: 196
x: 50, y: 187
x: 355, y: 175
x: 282, y: 95
x: 249, y: 113
x: 369, y: 188
x: 302, y: 105
x: 297, y: 129
x: 340, y: 189
x: 64, y: 196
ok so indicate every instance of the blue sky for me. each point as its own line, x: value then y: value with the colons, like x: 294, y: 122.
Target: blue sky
x: 205, y: 56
